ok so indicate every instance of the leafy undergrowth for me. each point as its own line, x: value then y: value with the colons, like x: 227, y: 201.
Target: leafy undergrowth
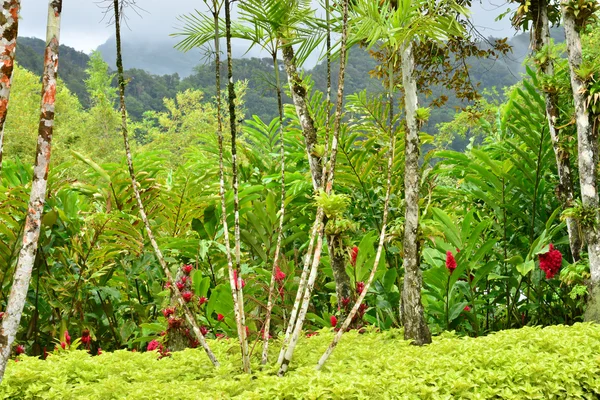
x: 530, y: 363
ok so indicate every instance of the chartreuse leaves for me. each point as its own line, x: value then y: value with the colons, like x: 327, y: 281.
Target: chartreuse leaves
x: 556, y: 362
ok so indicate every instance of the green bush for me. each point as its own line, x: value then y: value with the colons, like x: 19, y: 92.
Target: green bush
x: 556, y: 362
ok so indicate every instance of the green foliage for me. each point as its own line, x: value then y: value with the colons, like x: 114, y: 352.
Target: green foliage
x: 530, y: 363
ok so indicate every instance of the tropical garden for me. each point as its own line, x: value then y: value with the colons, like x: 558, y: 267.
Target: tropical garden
x: 205, y: 252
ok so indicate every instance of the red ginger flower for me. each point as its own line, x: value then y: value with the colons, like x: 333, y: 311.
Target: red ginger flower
x: 166, y: 312
x: 203, y: 330
x: 202, y: 300
x: 450, y: 261
x: 353, y: 255
x: 168, y: 285
x: 360, y: 286
x: 85, y: 337
x: 220, y: 317
x: 187, y: 296
x: 467, y: 308
x: 184, y: 279
x: 550, y: 262
x: 67, y: 338
x: 235, y: 278
x: 279, y: 275
x: 333, y: 321
x: 187, y: 269
x: 99, y: 351
x: 20, y: 349
x: 154, y: 345
x: 180, y: 286
x: 63, y: 345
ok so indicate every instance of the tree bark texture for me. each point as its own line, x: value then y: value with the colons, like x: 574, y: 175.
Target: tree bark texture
x: 337, y: 260
x: 587, y: 147
x: 539, y: 39
x: 415, y: 328
x: 18, y: 292
x: 9, y: 26
x: 177, y: 294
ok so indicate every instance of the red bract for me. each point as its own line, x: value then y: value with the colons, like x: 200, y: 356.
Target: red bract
x: 168, y: 285
x: 235, y: 278
x: 67, y: 338
x: 467, y: 308
x: 345, y: 302
x: 20, y: 349
x: 550, y: 262
x: 187, y: 269
x: 168, y: 311
x: 450, y: 261
x: 360, y: 286
x: 187, y: 296
x: 180, y: 286
x: 153, y: 345
x: 202, y: 300
x: 220, y: 317
x: 279, y: 275
x: 353, y: 255
x: 174, y: 322
x: 184, y: 279
x: 203, y: 330
x: 99, y: 351
x: 85, y: 337
x: 63, y: 345
x: 333, y: 320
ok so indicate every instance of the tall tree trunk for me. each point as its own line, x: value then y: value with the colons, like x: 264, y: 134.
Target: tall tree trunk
x: 415, y: 327
x: 9, y: 26
x: 117, y: 8
x: 37, y: 198
x: 267, y: 325
x: 319, y: 226
x: 241, y: 317
x: 540, y: 38
x: 587, y: 147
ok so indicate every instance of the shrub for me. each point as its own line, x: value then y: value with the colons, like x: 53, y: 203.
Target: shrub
x: 529, y: 363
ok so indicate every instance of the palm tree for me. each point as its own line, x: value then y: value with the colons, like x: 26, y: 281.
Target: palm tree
x: 33, y: 222
x: 8, y: 44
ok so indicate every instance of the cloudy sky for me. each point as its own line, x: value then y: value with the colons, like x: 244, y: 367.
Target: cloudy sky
x: 83, y: 26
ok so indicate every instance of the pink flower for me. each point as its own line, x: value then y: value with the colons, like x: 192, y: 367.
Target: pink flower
x: 353, y: 255
x: 467, y: 308
x: 220, y: 317
x: 20, y: 349
x: 67, y: 338
x: 168, y: 311
x: 279, y: 275
x: 450, y: 261
x: 63, y: 345
x: 187, y: 296
x: 333, y: 320
x: 235, y: 278
x: 187, y: 269
x: 203, y: 330
x: 360, y: 286
x: 202, y: 300
x: 153, y: 345
x: 551, y: 262
x: 180, y: 286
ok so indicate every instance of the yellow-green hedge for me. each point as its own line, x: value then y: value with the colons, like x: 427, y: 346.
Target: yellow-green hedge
x: 532, y: 363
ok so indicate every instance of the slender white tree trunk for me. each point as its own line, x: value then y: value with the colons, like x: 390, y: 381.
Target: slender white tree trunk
x: 33, y: 222
x: 8, y: 43
x: 540, y: 38
x: 587, y: 147
x: 415, y: 327
x: 176, y: 294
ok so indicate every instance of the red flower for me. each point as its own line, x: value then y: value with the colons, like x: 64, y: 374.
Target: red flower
x: 85, y: 337
x: 450, y: 261
x: 353, y: 255
x: 187, y: 269
x: 360, y: 286
x: 333, y: 320
x: 467, y: 308
x: 180, y: 286
x: 247, y: 331
x: 174, y: 322
x: 20, y: 349
x: 220, y: 317
x: 279, y: 275
x: 345, y: 302
x: 281, y: 292
x: 67, y: 338
x: 220, y: 336
x: 235, y: 278
x: 184, y: 279
x: 187, y: 296
x: 168, y: 285
x: 153, y: 345
x: 203, y: 330
x: 63, y: 345
x: 310, y: 334
x: 168, y: 311
x: 551, y: 262
x: 202, y: 300
x: 99, y: 351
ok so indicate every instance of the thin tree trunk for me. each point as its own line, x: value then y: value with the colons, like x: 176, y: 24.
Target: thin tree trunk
x: 241, y: 317
x: 267, y: 325
x: 540, y: 38
x: 287, y: 357
x: 587, y: 146
x: 415, y: 328
x: 37, y: 198
x: 176, y: 293
x: 9, y: 26
x: 337, y: 261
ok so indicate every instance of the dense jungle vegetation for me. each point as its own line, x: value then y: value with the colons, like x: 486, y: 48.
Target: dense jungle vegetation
x: 254, y: 206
